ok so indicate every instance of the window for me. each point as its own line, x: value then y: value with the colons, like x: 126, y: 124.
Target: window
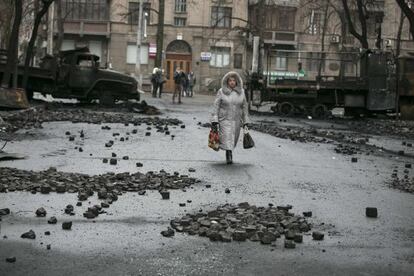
x: 180, y: 6
x: 133, y: 12
x: 281, y: 61
x: 286, y: 19
x: 132, y: 54
x: 220, y: 57
x: 221, y: 17
x: 314, y: 61
x: 179, y: 21
x: 314, y: 22
x: 85, y: 9
x: 238, y: 61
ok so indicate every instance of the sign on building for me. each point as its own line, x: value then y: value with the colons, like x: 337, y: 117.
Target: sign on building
x: 205, y: 56
x: 152, y: 51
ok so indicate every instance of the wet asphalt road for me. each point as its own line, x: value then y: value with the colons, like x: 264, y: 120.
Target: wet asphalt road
x: 126, y: 241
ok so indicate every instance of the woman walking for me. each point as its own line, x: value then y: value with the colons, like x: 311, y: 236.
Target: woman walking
x: 230, y: 113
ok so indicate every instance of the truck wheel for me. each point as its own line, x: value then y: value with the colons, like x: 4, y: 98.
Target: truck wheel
x: 319, y: 111
x: 29, y: 94
x: 106, y: 99
x: 286, y: 109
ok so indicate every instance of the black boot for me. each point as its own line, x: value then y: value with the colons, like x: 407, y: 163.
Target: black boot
x: 229, y: 157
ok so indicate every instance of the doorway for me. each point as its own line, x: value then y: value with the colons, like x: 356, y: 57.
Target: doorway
x: 178, y: 54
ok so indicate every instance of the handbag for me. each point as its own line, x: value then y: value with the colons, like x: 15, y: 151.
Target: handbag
x: 247, y: 139
x: 213, y: 140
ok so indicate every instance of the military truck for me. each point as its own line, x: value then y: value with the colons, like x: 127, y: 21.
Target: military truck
x: 76, y: 74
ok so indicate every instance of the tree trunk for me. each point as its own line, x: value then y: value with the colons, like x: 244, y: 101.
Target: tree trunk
x: 160, y: 34
x: 13, y: 44
x: 408, y: 13
x: 60, y: 27
x: 362, y: 38
x: 322, y: 55
x: 29, y: 54
x: 400, y: 27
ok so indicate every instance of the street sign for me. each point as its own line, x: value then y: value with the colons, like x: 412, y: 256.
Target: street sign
x: 205, y: 56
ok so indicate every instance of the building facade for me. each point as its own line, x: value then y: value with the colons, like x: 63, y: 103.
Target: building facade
x: 199, y: 36
x: 215, y: 36
x: 305, y: 39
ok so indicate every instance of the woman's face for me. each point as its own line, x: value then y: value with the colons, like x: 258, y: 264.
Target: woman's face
x: 231, y: 82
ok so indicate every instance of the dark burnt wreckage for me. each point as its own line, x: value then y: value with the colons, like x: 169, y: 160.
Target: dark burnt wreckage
x: 370, y: 81
x: 77, y: 74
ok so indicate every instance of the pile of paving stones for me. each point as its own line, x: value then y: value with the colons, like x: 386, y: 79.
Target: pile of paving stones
x: 294, y: 134
x: 398, y: 128
x: 346, y: 150
x: 34, y: 117
x: 108, y: 186
x: 246, y: 222
x: 404, y: 183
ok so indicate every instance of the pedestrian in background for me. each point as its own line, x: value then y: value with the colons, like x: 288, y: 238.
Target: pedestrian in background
x: 154, y: 82
x: 230, y: 113
x: 159, y: 78
x: 184, y: 82
x: 178, y: 81
x: 191, y: 82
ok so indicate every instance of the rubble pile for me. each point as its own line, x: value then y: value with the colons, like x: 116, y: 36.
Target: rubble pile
x: 300, y: 135
x: 107, y: 186
x: 246, y: 222
x: 398, y: 128
x: 404, y: 183
x: 34, y: 117
x: 346, y: 150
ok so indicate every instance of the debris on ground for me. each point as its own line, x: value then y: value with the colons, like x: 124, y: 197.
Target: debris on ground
x: 168, y: 233
x: 143, y: 108
x: 5, y: 156
x: 67, y: 225
x: 41, y: 212
x: 34, y: 117
x: 11, y: 259
x: 371, y: 212
x: 29, y: 235
x: 83, y: 184
x: 245, y: 222
x: 404, y: 183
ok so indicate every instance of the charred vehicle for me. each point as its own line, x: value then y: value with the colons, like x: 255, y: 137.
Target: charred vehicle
x: 76, y: 74
x: 359, y: 82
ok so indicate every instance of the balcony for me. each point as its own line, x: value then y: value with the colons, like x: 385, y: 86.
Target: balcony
x: 86, y: 27
x: 280, y: 37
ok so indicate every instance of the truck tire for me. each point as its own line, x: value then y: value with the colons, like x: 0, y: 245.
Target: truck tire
x: 286, y: 109
x: 106, y: 99
x: 319, y: 111
x: 29, y: 94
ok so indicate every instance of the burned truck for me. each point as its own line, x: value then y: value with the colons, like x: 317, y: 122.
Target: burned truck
x: 361, y: 83
x: 76, y: 74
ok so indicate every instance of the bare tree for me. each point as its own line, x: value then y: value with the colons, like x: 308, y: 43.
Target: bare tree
x: 408, y: 12
x: 13, y: 44
x: 60, y: 27
x: 362, y: 20
x: 6, y: 18
x: 29, y: 54
x: 160, y: 33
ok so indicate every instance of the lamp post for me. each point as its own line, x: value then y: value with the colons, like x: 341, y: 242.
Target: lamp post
x: 138, y: 54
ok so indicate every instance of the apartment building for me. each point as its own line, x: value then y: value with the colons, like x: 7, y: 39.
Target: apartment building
x: 215, y: 36
x: 292, y: 32
x: 199, y: 36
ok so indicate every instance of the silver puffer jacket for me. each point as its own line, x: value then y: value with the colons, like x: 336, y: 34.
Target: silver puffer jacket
x: 231, y: 111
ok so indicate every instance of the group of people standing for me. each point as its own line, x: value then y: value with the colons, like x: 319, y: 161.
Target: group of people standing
x: 184, y: 84
x: 157, y: 80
